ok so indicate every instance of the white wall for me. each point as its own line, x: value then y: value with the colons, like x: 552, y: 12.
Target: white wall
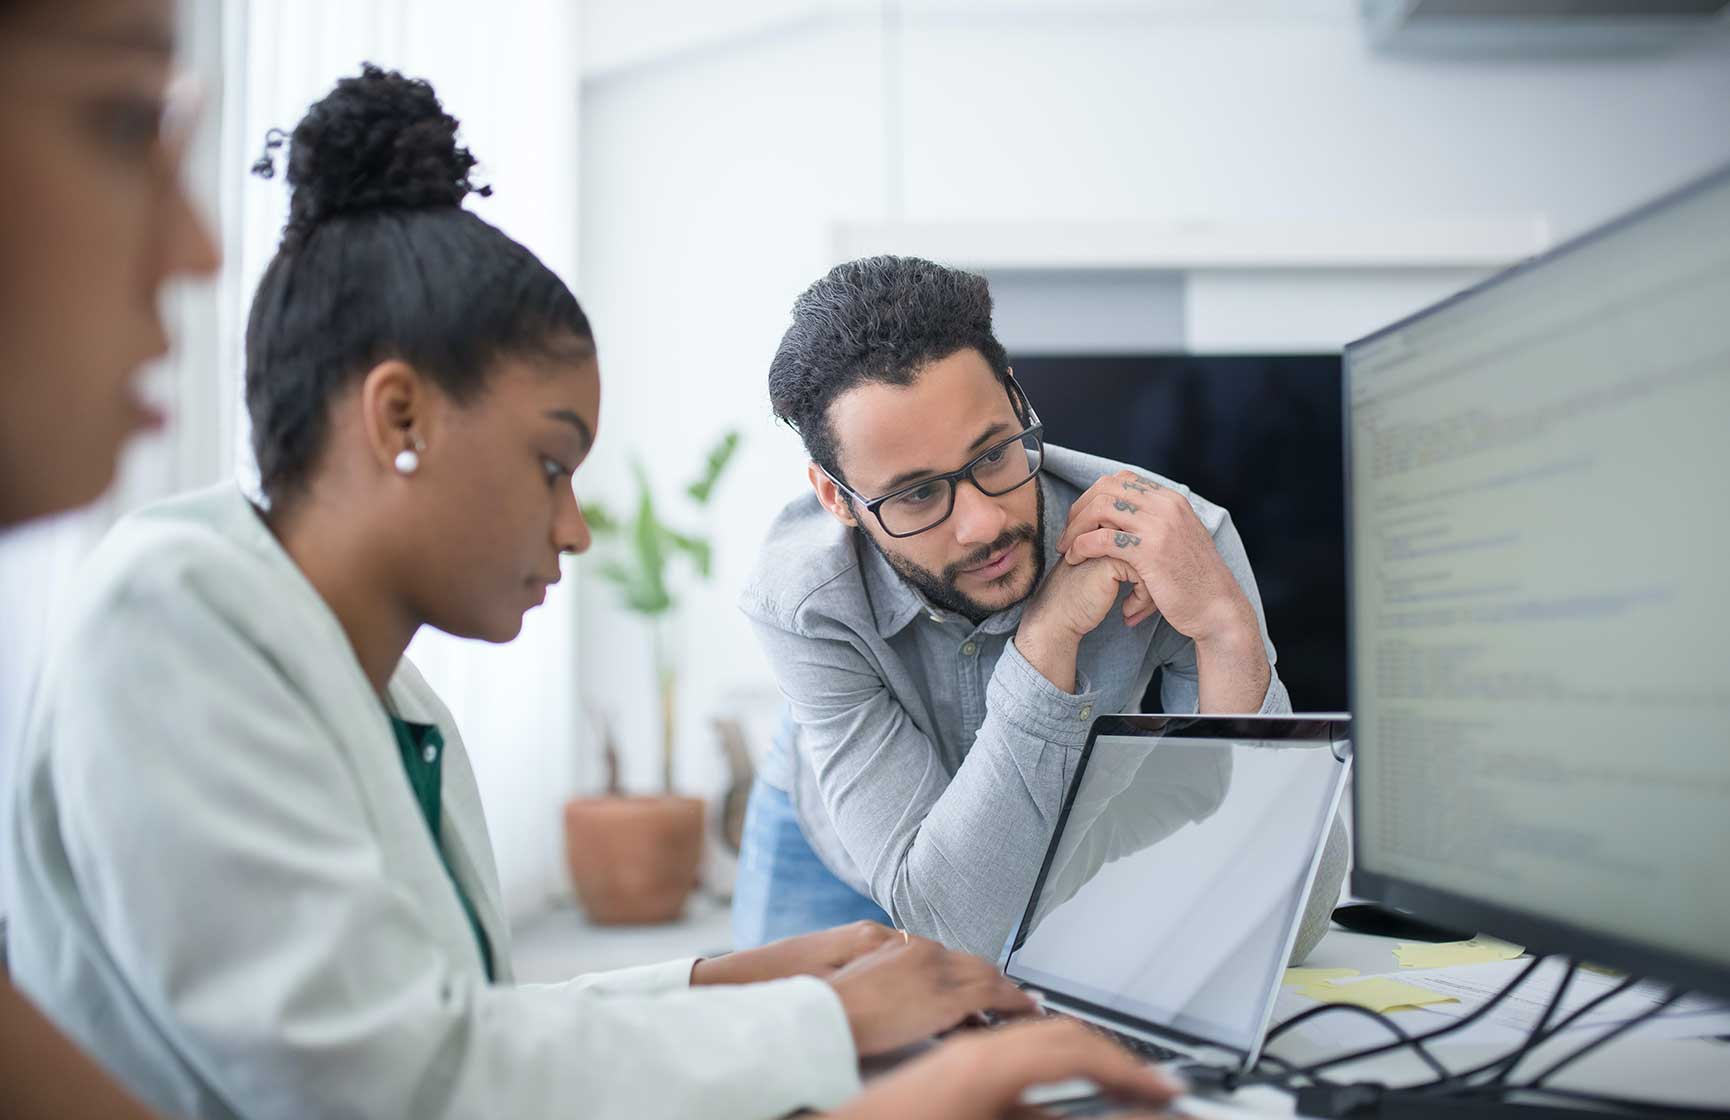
x: 713, y: 183
x: 709, y: 190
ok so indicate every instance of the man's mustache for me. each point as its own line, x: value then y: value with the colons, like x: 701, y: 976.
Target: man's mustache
x: 984, y: 552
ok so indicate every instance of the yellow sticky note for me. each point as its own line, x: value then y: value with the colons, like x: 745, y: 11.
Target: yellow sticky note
x: 1303, y: 976
x: 1479, y: 950
x: 1378, y: 993
x: 1303, y: 979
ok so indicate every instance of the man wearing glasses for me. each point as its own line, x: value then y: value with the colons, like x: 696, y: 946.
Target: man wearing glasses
x: 947, y: 611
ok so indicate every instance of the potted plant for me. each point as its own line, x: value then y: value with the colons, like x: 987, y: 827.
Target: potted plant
x: 635, y: 859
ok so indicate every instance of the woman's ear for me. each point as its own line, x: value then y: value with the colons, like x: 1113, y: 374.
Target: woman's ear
x: 396, y: 413
x: 830, y: 496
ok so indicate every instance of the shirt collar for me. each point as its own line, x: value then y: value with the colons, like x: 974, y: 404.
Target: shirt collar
x: 895, y: 603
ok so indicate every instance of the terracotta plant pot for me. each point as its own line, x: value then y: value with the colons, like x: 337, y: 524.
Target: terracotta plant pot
x: 633, y: 860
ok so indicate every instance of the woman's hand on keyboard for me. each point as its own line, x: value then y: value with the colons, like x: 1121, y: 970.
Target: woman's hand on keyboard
x: 982, y: 1076
x: 908, y: 989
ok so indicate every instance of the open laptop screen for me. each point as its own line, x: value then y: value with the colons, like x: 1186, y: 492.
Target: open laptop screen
x: 1176, y: 878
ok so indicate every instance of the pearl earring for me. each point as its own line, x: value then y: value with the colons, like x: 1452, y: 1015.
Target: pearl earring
x: 408, y: 459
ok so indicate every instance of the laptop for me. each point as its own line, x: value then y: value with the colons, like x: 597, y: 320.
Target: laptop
x: 1176, y: 880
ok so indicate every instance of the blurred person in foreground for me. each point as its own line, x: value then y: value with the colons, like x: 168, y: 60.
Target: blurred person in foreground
x: 93, y: 224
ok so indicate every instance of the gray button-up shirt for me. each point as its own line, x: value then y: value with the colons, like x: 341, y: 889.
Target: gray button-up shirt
x: 931, y: 759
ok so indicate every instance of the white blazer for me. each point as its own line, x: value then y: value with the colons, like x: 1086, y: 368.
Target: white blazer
x: 225, y: 891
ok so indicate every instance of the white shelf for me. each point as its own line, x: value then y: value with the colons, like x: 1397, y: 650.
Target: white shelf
x: 1421, y: 243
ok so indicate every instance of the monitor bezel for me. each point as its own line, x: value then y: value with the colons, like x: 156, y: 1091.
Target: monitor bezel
x: 1536, y: 931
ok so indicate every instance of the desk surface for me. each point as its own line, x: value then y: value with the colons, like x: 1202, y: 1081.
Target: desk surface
x: 1688, y: 1071
x: 1680, y: 1071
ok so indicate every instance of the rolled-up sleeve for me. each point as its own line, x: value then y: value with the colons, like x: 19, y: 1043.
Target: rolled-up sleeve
x: 950, y: 858
x: 1031, y: 704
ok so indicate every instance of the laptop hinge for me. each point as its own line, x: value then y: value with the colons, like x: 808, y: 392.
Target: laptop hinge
x: 1212, y: 1055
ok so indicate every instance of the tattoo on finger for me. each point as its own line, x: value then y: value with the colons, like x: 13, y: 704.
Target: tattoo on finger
x: 1139, y: 485
x: 1125, y: 506
x: 1127, y: 540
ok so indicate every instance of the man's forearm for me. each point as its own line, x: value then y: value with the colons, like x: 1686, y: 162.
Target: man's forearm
x: 1232, y: 670
x: 959, y: 866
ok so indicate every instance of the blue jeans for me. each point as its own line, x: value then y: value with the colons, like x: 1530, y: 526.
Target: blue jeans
x: 783, y: 889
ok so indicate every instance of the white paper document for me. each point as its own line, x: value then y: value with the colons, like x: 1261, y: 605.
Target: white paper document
x: 1473, y: 985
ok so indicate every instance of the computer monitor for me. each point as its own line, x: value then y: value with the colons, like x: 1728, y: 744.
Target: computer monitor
x: 1538, y: 523
x: 1256, y: 433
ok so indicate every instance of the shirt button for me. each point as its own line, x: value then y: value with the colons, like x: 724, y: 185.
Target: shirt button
x: 970, y: 649
x: 430, y: 753
x: 1087, y: 711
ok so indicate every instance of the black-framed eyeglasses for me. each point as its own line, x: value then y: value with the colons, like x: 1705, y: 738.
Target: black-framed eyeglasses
x: 918, y: 506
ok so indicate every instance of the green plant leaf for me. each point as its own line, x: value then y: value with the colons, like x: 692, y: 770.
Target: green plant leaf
x: 648, y: 594
x: 646, y: 599
x: 640, y: 569
x: 615, y: 572
x: 697, y: 548
x: 719, y: 456
x: 601, y: 520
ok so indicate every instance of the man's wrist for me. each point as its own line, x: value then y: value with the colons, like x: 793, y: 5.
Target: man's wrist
x: 1233, y: 668
x: 1050, y: 649
x: 1043, y: 627
x: 1233, y: 630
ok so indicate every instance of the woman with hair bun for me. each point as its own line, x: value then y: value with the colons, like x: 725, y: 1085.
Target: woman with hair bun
x: 252, y: 873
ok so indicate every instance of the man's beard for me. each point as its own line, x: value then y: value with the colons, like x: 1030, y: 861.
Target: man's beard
x: 941, y: 591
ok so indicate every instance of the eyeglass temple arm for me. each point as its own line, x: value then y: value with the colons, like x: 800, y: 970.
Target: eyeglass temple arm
x: 842, y: 486
x: 1017, y: 393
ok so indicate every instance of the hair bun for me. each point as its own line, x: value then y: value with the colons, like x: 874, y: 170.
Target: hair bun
x: 377, y: 142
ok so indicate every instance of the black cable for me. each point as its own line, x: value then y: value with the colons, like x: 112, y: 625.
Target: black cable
x: 1405, y: 1040
x: 1231, y: 1080
x: 1537, y: 1032
x: 1275, y: 1059
x: 1505, y: 1064
x: 1622, y: 1028
x: 1514, y: 1093
x: 1416, y: 1043
x: 1448, y: 1084
x: 1451, y: 1086
x: 1647, y: 1109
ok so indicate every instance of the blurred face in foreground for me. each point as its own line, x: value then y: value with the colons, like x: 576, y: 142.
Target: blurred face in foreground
x: 94, y: 223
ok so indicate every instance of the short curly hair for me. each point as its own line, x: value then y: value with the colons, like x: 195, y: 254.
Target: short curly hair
x: 879, y: 319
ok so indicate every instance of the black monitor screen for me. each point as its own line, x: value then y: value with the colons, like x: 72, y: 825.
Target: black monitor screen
x: 1259, y: 435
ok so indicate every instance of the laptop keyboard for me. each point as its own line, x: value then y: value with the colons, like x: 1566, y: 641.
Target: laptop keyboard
x: 1152, y: 1051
